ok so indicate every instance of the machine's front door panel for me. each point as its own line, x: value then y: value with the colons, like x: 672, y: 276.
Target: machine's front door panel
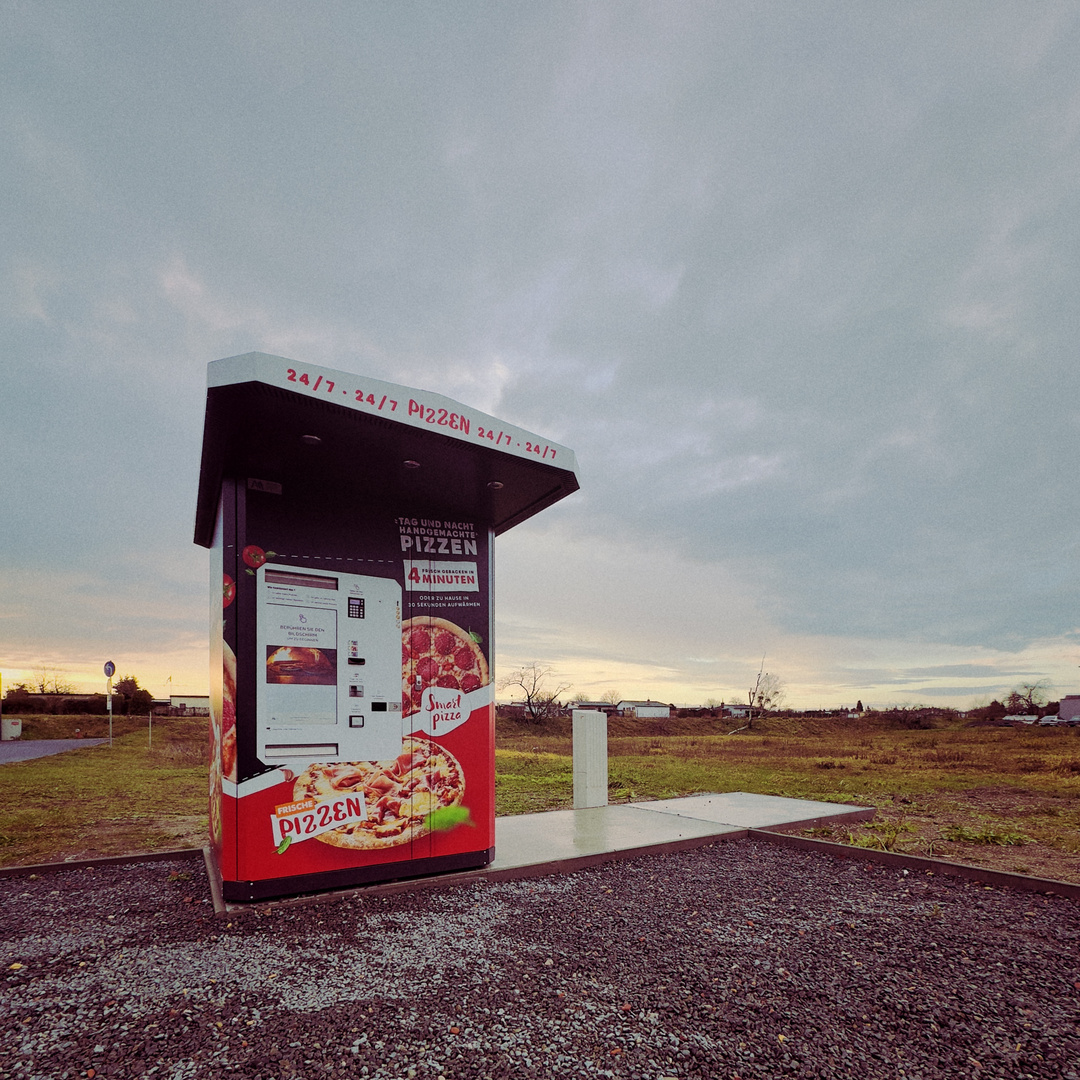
x: 365, y: 704
x: 331, y: 688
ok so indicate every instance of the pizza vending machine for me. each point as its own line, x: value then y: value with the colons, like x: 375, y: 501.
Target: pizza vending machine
x: 351, y: 523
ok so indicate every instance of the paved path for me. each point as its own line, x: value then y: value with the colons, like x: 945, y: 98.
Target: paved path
x: 27, y: 749
x: 557, y: 840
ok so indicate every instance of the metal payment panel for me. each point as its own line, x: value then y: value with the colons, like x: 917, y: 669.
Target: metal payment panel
x: 331, y: 685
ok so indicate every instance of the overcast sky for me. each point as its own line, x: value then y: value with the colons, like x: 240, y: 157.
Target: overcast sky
x: 798, y: 282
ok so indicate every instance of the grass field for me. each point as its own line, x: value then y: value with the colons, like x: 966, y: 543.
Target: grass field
x: 105, y: 800
x: 1006, y: 798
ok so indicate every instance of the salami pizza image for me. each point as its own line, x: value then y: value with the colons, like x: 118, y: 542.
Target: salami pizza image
x: 437, y: 652
x: 399, y: 795
x: 228, y: 714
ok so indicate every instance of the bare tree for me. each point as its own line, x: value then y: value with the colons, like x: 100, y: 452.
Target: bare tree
x: 48, y: 680
x: 1028, y: 697
x: 612, y: 697
x: 766, y: 693
x: 541, y: 700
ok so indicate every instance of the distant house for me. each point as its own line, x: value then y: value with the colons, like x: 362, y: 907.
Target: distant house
x: 737, y: 711
x: 190, y: 704
x: 1069, y: 708
x: 605, y: 707
x: 644, y: 710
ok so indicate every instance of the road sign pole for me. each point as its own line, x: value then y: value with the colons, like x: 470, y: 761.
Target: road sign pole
x: 110, y: 670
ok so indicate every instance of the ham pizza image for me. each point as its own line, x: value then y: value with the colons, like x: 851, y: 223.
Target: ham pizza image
x: 400, y: 795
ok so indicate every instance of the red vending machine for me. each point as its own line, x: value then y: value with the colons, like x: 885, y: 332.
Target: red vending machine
x: 350, y: 523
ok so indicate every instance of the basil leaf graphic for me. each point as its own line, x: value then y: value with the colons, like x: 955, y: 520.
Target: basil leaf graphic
x: 449, y: 817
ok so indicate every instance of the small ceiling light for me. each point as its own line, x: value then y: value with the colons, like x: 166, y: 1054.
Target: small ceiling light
x: 495, y: 485
x: 311, y: 440
x: 410, y: 464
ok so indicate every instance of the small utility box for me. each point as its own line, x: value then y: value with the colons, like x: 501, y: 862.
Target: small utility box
x: 590, y: 759
x: 351, y: 526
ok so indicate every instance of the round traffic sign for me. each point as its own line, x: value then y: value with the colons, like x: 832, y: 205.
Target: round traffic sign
x: 110, y: 668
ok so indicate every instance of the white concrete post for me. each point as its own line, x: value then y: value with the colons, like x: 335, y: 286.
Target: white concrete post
x: 590, y: 759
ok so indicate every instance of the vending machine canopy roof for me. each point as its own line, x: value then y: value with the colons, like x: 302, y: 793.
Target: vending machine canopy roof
x: 274, y: 423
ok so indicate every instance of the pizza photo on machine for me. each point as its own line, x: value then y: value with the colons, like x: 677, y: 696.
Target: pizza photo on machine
x: 401, y: 795
x: 228, y: 714
x: 436, y: 652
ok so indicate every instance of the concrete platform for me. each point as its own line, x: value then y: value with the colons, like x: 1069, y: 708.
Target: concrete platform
x: 750, y: 811
x: 560, y: 840
x: 567, y: 839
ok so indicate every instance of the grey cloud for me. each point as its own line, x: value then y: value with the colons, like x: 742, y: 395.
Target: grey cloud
x: 970, y: 671
x: 798, y: 284
x: 958, y: 691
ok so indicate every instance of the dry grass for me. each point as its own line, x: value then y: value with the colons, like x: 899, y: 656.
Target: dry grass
x: 1008, y: 798
x: 102, y: 800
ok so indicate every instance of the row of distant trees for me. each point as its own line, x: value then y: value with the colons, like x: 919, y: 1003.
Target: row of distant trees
x: 540, y: 696
x: 1028, y: 699
x: 541, y: 692
x: 48, y: 692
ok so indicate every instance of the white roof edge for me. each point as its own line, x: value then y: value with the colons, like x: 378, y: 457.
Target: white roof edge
x: 420, y: 409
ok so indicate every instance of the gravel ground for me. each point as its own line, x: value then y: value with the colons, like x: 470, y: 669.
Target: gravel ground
x: 736, y: 960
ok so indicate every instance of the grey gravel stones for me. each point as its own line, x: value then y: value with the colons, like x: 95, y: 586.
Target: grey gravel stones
x: 736, y: 960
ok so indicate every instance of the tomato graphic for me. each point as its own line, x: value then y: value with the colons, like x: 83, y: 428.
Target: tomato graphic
x: 228, y: 591
x: 254, y: 556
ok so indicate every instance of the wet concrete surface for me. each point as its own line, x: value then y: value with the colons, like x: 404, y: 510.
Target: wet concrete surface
x: 578, y: 837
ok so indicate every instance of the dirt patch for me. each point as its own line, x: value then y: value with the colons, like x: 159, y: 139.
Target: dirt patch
x: 999, y: 828
x: 123, y: 836
x: 188, y: 830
